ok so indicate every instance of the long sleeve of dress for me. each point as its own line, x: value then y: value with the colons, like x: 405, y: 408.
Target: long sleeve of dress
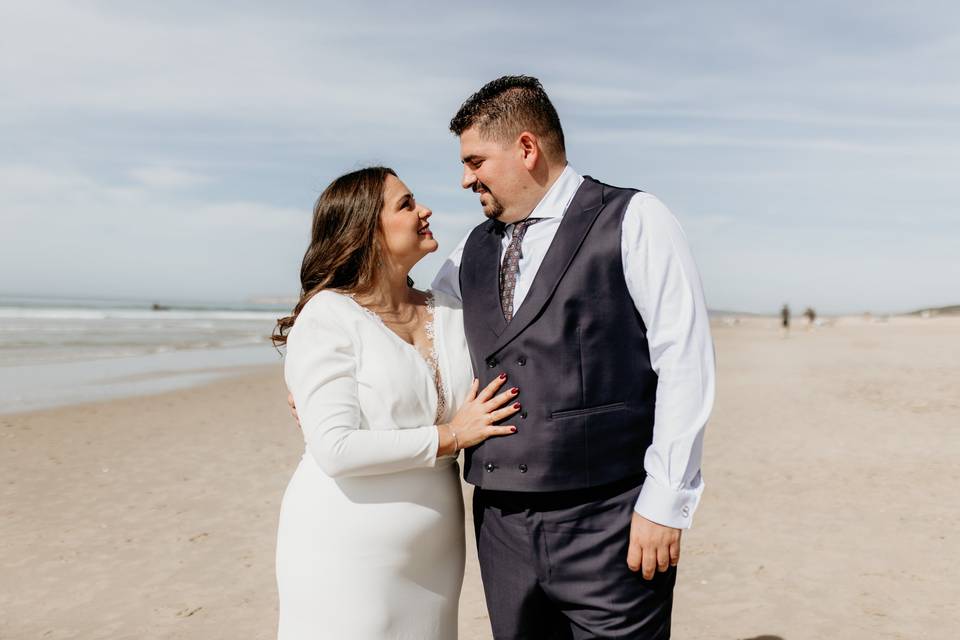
x: 320, y: 371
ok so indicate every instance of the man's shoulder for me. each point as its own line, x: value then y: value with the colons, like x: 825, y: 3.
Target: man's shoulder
x: 638, y: 201
x: 647, y: 205
x: 607, y: 186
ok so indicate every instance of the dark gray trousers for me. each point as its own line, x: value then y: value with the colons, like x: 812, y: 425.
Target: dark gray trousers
x: 554, y: 566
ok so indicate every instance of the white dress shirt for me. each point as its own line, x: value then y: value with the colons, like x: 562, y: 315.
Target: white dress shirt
x: 663, y: 281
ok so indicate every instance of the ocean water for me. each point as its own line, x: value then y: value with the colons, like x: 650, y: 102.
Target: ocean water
x: 56, y: 352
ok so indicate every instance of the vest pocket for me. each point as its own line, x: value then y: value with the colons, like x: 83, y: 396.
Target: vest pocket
x: 587, y: 411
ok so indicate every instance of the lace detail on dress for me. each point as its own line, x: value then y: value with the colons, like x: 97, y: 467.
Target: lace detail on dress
x: 432, y: 358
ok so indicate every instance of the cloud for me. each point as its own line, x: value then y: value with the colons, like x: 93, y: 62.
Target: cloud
x: 71, y: 234
x: 167, y: 177
x: 190, y: 139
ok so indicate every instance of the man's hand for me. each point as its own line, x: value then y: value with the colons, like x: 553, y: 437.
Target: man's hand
x: 653, y: 547
x: 293, y: 409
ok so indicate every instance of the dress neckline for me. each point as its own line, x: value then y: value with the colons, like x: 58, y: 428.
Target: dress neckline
x: 431, y: 359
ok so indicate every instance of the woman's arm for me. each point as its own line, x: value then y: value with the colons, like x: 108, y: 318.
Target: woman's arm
x: 320, y: 371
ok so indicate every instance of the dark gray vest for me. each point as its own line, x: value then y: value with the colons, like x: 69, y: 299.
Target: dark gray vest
x: 576, y: 347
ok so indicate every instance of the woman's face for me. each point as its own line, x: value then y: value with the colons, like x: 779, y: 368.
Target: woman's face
x: 406, y: 232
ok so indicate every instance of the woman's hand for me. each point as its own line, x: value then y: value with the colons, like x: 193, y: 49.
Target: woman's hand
x: 475, y: 420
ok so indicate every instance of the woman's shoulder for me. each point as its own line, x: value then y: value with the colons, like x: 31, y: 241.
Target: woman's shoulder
x: 327, y: 301
x: 325, y: 310
x: 321, y: 341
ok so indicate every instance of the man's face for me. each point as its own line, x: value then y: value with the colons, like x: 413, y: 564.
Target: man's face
x: 494, y: 171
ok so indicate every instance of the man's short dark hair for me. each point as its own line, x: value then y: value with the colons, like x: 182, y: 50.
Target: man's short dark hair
x: 508, y: 106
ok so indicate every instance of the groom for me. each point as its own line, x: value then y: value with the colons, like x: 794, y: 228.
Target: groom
x: 587, y: 296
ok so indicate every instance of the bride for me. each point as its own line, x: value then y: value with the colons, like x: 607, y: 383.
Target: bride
x: 371, y: 542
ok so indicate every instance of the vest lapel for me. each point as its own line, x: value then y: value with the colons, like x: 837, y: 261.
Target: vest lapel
x: 482, y: 270
x: 579, y: 217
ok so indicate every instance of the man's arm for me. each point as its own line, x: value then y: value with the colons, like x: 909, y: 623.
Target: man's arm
x: 448, y: 277
x: 665, y: 286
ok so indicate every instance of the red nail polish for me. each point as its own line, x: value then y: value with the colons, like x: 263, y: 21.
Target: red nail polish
x: 516, y: 405
x: 513, y: 429
x: 503, y: 376
x: 515, y: 390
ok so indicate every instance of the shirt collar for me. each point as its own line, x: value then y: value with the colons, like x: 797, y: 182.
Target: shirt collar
x: 557, y: 198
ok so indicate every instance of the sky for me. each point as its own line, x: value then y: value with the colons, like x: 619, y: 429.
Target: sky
x: 173, y: 151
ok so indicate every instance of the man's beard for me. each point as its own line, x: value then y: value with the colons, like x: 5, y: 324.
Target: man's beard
x: 493, y: 210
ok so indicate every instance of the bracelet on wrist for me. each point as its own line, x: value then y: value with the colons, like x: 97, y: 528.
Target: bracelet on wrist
x: 456, y: 440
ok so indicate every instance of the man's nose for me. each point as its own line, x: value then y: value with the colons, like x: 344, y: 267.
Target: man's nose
x: 469, y: 179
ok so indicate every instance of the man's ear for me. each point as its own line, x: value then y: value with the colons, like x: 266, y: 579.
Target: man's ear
x: 529, y: 147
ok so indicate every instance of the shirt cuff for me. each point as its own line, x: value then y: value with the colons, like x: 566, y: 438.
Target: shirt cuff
x: 669, y: 507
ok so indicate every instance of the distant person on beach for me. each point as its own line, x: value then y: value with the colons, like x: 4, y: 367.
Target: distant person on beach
x: 587, y: 298
x: 785, y: 319
x: 371, y: 540
x: 811, y: 316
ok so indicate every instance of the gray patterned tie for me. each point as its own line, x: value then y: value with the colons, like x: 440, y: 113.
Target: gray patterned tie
x: 510, y: 267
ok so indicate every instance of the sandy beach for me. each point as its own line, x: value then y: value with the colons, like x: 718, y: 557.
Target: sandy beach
x: 830, y: 509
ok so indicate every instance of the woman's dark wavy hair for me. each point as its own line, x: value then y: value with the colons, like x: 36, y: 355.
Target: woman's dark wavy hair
x: 345, y: 248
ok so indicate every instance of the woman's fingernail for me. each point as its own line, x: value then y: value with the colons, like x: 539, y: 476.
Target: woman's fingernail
x: 513, y: 429
x: 516, y: 405
x: 515, y: 390
x: 503, y: 376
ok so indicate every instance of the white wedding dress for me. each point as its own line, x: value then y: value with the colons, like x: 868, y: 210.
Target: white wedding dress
x: 371, y: 541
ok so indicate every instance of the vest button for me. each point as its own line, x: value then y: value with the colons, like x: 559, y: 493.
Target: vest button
x: 523, y: 415
x: 523, y: 468
x: 522, y: 361
x: 490, y: 467
x: 492, y: 362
